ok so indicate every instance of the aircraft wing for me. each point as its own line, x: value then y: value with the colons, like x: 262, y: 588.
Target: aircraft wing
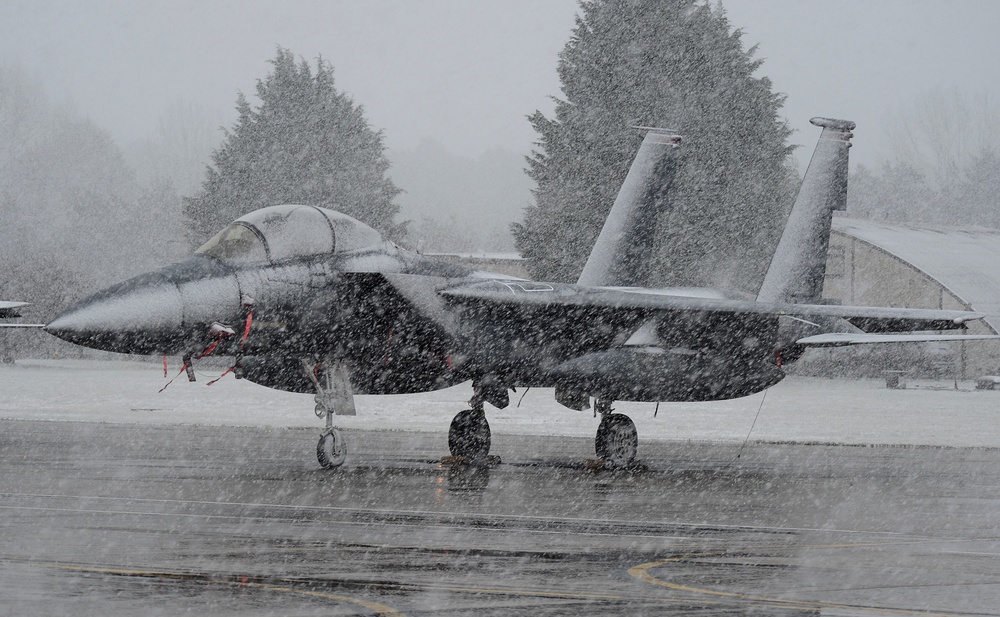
x: 842, y: 339
x: 9, y: 309
x: 529, y: 294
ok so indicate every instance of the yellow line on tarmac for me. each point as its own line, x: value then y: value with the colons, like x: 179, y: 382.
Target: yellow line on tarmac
x: 561, y: 595
x: 641, y: 572
x: 379, y: 609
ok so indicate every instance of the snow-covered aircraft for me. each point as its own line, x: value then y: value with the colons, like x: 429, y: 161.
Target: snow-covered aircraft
x: 10, y: 309
x: 312, y: 300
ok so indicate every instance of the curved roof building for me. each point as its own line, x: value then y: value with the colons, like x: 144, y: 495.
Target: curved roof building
x: 873, y: 263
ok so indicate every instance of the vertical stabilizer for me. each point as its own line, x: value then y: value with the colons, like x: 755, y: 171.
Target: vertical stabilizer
x: 799, y: 264
x: 621, y: 257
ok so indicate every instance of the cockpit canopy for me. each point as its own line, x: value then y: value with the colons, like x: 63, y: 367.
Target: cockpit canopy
x: 283, y: 233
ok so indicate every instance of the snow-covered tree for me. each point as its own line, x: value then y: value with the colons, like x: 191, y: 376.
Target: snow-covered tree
x: 73, y: 217
x: 941, y: 132
x: 665, y: 63
x: 892, y: 193
x: 66, y: 187
x: 304, y: 143
x: 944, y: 165
x: 186, y: 134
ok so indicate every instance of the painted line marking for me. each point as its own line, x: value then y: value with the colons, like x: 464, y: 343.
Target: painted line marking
x: 515, y: 517
x: 641, y: 572
x: 380, y: 609
x: 365, y: 524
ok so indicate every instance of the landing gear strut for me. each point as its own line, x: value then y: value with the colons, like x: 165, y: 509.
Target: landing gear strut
x: 334, y: 395
x: 469, y: 435
x: 617, y: 441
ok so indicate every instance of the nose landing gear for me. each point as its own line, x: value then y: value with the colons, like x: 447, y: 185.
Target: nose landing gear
x: 334, y: 395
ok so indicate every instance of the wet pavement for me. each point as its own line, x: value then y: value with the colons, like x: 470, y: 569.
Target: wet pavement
x: 165, y: 520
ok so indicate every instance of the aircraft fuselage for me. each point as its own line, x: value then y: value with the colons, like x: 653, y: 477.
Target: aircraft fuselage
x: 344, y: 306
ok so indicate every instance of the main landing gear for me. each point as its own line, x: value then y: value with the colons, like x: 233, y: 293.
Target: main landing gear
x: 616, y: 444
x: 617, y: 441
x: 334, y: 395
x: 469, y: 435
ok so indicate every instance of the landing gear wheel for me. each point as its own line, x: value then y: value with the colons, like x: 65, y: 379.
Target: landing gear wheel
x: 469, y: 435
x: 617, y: 442
x: 331, y: 449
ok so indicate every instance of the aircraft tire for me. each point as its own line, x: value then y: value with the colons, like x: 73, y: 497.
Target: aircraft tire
x: 617, y: 441
x: 469, y: 435
x: 331, y: 451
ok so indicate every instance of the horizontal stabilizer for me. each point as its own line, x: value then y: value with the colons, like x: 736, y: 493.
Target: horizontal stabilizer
x: 840, y: 339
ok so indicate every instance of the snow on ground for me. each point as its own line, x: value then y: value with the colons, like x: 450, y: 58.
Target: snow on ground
x: 797, y: 409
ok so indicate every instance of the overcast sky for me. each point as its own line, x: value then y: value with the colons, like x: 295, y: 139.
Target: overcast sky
x: 468, y: 72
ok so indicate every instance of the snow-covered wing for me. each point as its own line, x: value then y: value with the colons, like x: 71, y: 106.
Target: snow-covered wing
x: 842, y: 339
x: 9, y: 309
x: 532, y: 295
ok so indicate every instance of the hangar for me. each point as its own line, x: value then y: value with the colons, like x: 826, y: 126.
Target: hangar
x: 936, y: 267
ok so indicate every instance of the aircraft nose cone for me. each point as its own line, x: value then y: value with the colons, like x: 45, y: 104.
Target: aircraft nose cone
x: 138, y: 316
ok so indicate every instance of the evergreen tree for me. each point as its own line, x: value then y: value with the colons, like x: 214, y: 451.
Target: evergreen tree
x: 664, y: 63
x: 305, y: 143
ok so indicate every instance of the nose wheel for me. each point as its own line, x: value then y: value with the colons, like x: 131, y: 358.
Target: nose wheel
x: 331, y: 451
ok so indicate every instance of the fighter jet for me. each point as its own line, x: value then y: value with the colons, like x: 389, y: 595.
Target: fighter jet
x: 10, y: 309
x: 310, y: 300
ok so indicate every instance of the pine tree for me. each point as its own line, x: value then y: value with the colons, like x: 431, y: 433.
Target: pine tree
x: 673, y: 64
x: 305, y: 143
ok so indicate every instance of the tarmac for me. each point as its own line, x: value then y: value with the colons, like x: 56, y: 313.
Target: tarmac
x: 122, y: 519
